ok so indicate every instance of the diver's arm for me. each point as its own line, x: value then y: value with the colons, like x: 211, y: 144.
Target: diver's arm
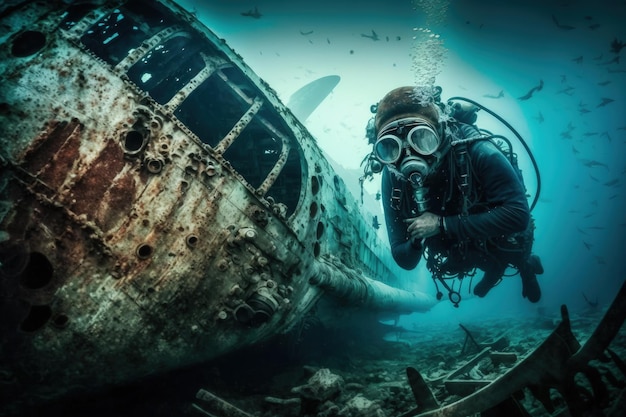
x: 405, y: 252
x: 505, y: 197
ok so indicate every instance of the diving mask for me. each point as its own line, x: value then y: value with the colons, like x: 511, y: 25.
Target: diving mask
x: 411, y: 132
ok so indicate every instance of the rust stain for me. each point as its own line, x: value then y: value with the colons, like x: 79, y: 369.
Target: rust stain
x: 54, y: 171
x: 119, y: 201
x: 88, y: 192
x: 48, y: 143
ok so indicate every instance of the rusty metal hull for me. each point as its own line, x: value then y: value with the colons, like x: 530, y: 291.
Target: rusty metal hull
x: 159, y: 205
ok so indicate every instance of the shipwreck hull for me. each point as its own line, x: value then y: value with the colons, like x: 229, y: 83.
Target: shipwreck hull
x: 159, y: 205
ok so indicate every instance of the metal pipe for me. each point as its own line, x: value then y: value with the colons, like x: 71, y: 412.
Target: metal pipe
x: 358, y: 290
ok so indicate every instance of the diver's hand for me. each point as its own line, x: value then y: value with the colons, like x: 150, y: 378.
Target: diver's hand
x: 423, y: 226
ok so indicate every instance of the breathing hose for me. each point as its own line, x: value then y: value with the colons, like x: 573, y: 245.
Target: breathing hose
x: 519, y: 137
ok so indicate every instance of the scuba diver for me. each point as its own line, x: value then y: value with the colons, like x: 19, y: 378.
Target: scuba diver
x: 450, y: 192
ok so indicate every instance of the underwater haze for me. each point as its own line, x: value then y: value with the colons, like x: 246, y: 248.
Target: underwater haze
x: 555, y: 70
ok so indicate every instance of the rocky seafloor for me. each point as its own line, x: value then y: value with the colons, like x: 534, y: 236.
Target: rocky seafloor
x: 316, y: 372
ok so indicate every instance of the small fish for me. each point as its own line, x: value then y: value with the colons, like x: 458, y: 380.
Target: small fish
x: 594, y: 26
x: 539, y: 117
x: 578, y: 60
x: 579, y: 229
x: 252, y: 13
x: 306, y: 33
x: 593, y: 304
x: 373, y: 36
x: 583, y: 110
x: 561, y: 26
x: 587, y: 245
x: 617, y: 45
x: 595, y: 228
x: 605, y: 101
x: 569, y: 90
x: 612, y: 182
x: 605, y: 133
x: 530, y: 93
x: 591, y: 163
x: 500, y: 95
x: 576, y: 151
x: 587, y: 134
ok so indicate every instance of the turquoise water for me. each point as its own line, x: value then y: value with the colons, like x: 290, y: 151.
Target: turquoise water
x: 475, y: 50
x: 489, y: 51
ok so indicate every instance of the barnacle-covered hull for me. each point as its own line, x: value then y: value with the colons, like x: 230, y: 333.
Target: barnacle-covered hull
x: 159, y: 205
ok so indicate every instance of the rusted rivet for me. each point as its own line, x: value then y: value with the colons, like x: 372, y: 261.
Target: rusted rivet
x: 210, y: 170
x: 154, y: 166
x: 60, y: 321
x: 222, y: 265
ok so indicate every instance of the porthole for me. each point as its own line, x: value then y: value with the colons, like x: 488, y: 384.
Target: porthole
x: 28, y: 43
x: 320, y: 230
x: 37, y: 273
x: 315, y: 185
x: 133, y: 142
x: 144, y: 251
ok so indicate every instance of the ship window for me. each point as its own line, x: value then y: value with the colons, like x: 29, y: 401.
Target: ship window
x: 168, y: 67
x: 287, y: 187
x: 210, y: 111
x: 115, y: 35
x: 254, y: 153
x: 74, y: 13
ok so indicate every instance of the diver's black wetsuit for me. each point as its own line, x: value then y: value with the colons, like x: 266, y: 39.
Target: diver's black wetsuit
x: 497, y: 230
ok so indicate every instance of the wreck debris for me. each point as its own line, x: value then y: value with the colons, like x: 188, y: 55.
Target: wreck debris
x: 553, y: 365
x: 215, y: 404
x: 498, y: 343
x: 378, y: 375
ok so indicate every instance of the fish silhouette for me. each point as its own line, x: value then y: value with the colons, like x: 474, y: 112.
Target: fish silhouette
x: 617, y: 45
x: 373, y: 36
x: 500, y: 95
x: 532, y: 91
x: 605, y: 101
x: 561, y: 26
x: 255, y: 14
